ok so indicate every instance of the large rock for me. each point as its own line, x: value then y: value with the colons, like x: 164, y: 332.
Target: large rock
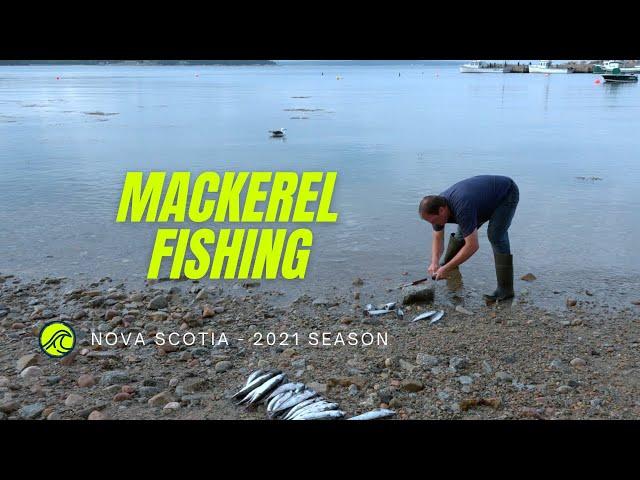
x: 115, y: 377
x: 417, y: 294
x: 427, y: 360
x: 161, y: 399
x: 29, y: 412
x: 31, y: 372
x: 411, y: 386
x: 26, y: 361
x: 158, y: 302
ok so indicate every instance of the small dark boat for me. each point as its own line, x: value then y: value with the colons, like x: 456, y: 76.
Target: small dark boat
x: 616, y: 76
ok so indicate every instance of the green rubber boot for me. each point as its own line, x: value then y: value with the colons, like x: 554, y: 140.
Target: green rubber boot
x: 452, y: 249
x: 504, y: 275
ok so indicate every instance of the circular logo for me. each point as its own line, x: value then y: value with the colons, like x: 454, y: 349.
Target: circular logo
x: 57, y: 339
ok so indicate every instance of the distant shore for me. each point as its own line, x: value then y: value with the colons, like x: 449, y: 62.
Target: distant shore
x: 136, y: 62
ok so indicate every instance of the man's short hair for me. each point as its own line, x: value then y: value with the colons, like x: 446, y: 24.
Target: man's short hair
x: 430, y: 205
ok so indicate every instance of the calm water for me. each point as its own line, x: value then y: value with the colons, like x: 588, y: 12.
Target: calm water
x: 393, y: 139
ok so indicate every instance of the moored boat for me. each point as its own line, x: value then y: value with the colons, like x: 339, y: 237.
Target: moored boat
x: 478, y: 66
x: 616, y: 76
x: 545, y: 66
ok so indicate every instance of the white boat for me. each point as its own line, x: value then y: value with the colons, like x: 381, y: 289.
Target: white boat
x: 544, y: 66
x: 610, y: 65
x: 478, y: 66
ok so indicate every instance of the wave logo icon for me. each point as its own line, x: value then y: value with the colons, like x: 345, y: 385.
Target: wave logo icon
x: 57, y: 339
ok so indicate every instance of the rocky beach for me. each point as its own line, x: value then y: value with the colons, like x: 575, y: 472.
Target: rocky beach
x: 479, y: 362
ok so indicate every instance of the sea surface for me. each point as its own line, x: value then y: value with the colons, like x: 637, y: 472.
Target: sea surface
x: 394, y: 133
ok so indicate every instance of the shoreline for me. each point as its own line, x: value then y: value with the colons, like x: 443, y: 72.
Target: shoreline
x: 500, y: 362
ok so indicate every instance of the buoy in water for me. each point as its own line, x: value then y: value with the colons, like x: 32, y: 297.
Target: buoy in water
x: 57, y: 78
x: 597, y: 82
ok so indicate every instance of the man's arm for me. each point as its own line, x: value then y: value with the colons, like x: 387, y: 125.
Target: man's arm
x: 437, y: 247
x: 470, y: 247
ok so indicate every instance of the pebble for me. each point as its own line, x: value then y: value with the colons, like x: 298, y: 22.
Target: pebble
x: 223, y: 366
x: 486, y: 367
x: 320, y: 301
x: 407, y: 366
x: 73, y: 399
x: 26, y: 361
x: 465, y: 380
x: 571, y: 302
x: 318, y: 387
x: 504, y: 377
x: 578, y: 362
x: 158, y: 302
x: 463, y: 310
x: 86, y: 380
x: 411, y: 386
x: 9, y: 406
x: 353, y: 390
x: 113, y: 377
x: 171, y: 406
x: 417, y: 294
x: 564, y: 389
x: 427, y: 360
x: 122, y: 396
x: 32, y: 411
x: 395, y: 403
x: 458, y: 363
x: 31, y: 372
x: 97, y: 415
x: 208, y: 312
x: 160, y: 399
x: 529, y: 277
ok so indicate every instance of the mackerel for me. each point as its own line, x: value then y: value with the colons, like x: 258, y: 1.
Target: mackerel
x: 285, y: 388
x: 374, y: 414
x: 296, y: 399
x: 436, y: 318
x: 322, y: 406
x: 263, y: 390
x: 294, y: 410
x: 256, y: 383
x: 424, y: 315
x: 326, y: 415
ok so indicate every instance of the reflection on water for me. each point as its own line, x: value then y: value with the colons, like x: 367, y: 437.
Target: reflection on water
x: 393, y: 139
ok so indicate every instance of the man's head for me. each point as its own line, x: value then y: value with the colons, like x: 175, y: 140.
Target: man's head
x: 434, y: 209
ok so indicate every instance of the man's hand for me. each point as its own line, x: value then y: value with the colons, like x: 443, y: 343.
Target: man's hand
x: 441, y: 273
x: 433, y: 268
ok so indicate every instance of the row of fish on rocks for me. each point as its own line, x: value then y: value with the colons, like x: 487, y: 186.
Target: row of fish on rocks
x: 434, y: 316
x: 293, y: 401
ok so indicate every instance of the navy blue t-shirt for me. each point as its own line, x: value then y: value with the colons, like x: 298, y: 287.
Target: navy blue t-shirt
x: 472, y: 201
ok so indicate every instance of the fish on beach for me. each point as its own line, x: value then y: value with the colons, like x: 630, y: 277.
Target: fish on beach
x: 259, y: 393
x: 437, y: 317
x: 327, y: 415
x: 286, y: 415
x: 424, y: 315
x: 321, y: 406
x: 255, y: 383
x: 286, y: 387
x: 374, y: 415
x: 277, y: 400
x: 296, y: 399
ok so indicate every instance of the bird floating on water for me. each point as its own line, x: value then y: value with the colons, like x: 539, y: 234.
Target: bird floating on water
x: 277, y: 133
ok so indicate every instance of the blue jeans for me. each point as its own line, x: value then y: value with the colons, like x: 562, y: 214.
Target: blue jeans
x: 500, y: 221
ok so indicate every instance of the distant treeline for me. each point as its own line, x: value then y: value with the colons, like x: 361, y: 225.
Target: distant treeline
x: 137, y: 62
